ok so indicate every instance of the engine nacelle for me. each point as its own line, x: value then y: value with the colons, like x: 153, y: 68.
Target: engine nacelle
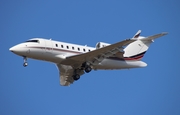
x: 101, y: 45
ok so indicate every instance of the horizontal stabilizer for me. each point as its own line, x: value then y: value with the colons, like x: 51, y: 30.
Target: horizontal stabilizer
x: 151, y: 38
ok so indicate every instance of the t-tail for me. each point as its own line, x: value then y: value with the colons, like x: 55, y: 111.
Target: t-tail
x: 137, y: 49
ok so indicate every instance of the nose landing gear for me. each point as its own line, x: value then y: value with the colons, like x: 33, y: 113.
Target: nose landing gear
x: 25, y: 62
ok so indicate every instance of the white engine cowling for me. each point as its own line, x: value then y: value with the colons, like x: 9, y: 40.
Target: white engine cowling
x: 101, y: 45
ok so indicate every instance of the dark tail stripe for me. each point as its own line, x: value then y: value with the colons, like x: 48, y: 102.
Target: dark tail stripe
x: 135, y: 57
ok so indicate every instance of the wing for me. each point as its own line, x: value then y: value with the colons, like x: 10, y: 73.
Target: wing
x: 65, y: 73
x: 96, y: 56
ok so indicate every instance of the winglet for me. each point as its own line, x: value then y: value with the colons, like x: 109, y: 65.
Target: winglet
x: 137, y: 34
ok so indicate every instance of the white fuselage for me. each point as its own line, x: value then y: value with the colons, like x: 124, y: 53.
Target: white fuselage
x: 56, y: 52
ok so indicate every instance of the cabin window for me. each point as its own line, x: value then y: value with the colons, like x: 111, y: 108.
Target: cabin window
x: 67, y: 47
x: 73, y: 48
x: 84, y: 50
x: 61, y: 46
x: 89, y: 50
x: 78, y: 49
x: 56, y: 45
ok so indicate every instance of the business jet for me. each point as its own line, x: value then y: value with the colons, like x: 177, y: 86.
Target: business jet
x: 74, y: 60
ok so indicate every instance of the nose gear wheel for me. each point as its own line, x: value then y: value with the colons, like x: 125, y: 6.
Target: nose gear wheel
x: 25, y: 62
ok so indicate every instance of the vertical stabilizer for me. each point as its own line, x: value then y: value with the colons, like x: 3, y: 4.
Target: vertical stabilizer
x: 137, y: 34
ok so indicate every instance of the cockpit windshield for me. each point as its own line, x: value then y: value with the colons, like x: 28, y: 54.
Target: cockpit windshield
x: 35, y: 41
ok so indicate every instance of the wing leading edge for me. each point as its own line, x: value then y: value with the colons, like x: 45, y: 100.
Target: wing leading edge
x: 96, y: 56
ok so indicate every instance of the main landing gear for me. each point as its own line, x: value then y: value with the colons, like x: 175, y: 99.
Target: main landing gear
x: 76, y: 77
x: 25, y: 61
x: 77, y: 73
x: 85, y: 67
x: 88, y: 69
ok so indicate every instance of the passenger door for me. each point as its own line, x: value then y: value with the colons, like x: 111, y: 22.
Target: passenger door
x: 49, y: 47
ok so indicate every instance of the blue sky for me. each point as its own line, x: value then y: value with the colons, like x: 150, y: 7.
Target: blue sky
x: 154, y: 90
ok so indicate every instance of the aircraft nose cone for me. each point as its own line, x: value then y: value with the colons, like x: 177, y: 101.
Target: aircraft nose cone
x: 19, y: 49
x: 11, y: 49
x: 15, y: 49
